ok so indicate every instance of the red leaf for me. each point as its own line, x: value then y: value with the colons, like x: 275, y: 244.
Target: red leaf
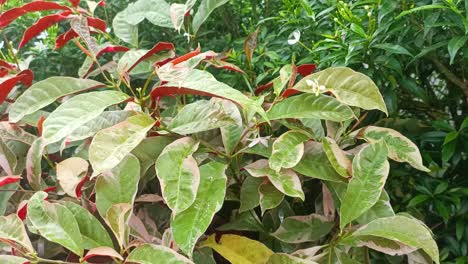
x: 112, y: 49
x: 172, y: 90
x: 102, y: 252
x: 22, y: 210
x: 160, y: 46
x: 102, y: 3
x: 74, y: 3
x: 2, y: 2
x: 4, y: 64
x: 220, y: 64
x: 41, y: 25
x: 40, y: 122
x: 186, y: 56
x: 50, y: 189
x: 97, y: 23
x: 262, y: 88
x: 64, y: 38
x: 289, y: 92
x: 9, y: 180
x: 12, y: 14
x: 306, y: 69
x: 24, y: 77
x: 79, y: 187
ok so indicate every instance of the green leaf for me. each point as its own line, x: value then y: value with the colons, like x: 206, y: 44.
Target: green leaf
x: 189, y: 225
x: 4, y: 259
x: 70, y: 173
x: 117, y: 218
x: 281, y: 258
x: 104, y: 120
x: 287, y: 150
x: 203, y: 83
x: 92, y: 232
x: 123, y: 29
x: 402, y: 229
x: 8, y: 159
x: 393, y: 48
x: 205, y: 8
x: 12, y: 230
x: 239, y: 249
x: 45, y: 92
x: 299, y: 229
x: 454, y: 45
x: 249, y: 195
x: 200, y: 116
x: 118, y: 186
x: 270, y: 197
x: 280, y: 82
x: 337, y: 157
x: 381, y: 209
x: 315, y: 164
x: 144, y: 66
x: 421, y: 8
x: 311, y: 106
x: 113, y: 144
x: 149, y: 150
x: 370, y: 171
x: 178, y: 174
x: 349, y: 87
x: 154, y: 254
x: 285, y: 180
x: 400, y: 148
x: 33, y: 164
x: 54, y: 222
x: 383, y: 245
x: 76, y: 112
x: 10, y: 131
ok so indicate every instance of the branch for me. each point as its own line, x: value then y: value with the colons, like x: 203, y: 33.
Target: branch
x: 449, y: 75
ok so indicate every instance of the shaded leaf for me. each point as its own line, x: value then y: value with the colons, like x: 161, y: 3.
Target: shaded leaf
x: 117, y: 218
x: 13, y: 260
x: 337, y: 157
x: 299, y: 229
x: 153, y: 254
x: 12, y: 230
x: 281, y: 258
x: 205, y: 8
x: 249, y: 195
x: 70, y: 173
x: 270, y: 197
x: 102, y: 252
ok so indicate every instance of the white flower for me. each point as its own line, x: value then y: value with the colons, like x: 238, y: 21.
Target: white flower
x: 108, y: 30
x: 294, y: 37
x: 316, y: 88
x: 43, y: 35
x: 261, y: 140
x: 40, y: 45
x: 2, y: 44
x: 365, y: 65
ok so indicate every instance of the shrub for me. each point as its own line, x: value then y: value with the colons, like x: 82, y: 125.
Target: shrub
x: 148, y: 158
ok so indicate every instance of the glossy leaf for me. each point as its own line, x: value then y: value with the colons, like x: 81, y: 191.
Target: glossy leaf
x: 42, y: 24
x: 285, y: 180
x: 337, y: 157
x: 178, y: 174
x: 154, y: 254
x: 393, y: 48
x: 370, y: 171
x: 249, y: 195
x: 280, y: 82
x: 299, y: 229
x: 9, y: 16
x: 311, y: 106
x: 149, y: 150
x: 54, y: 222
x: 200, y: 116
x: 280, y: 258
x: 12, y: 230
x: 205, y: 8
x: 45, y: 92
x: 349, y: 87
x: 102, y: 252
x: 287, y: 150
x: 117, y: 218
x: 381, y: 209
x: 400, y: 148
x: 111, y: 145
x: 315, y: 164
x: 78, y: 111
x: 269, y: 196
x: 403, y: 229
x: 238, y: 249
x: 70, y: 173
x: 118, y: 186
x: 25, y: 77
x: 189, y: 225
x: 454, y: 45
x: 33, y: 164
x: 92, y: 232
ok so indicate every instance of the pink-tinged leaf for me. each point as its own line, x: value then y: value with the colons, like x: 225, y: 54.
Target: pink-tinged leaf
x: 2, y: 2
x: 172, y: 90
x: 160, y: 46
x: 40, y: 124
x: 102, y: 3
x: 64, y: 38
x: 250, y: 45
x: 220, y: 64
x: 80, y: 26
x: 12, y: 14
x: 9, y: 180
x: 97, y: 23
x: 41, y: 25
x: 102, y: 252
x: 289, y: 92
x: 79, y: 187
x: 74, y: 3
x: 22, y: 210
x: 186, y: 56
x: 293, y: 77
x: 107, y: 49
x: 262, y: 88
x: 25, y: 77
x: 50, y: 189
x: 306, y: 69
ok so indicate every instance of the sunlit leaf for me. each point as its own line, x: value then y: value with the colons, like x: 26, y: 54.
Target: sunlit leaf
x: 269, y: 196
x: 154, y: 254
x: 190, y: 224
x: 70, y: 173
x: 337, y: 157
x: 205, y: 8
x: 12, y: 230
x: 179, y: 174
x: 287, y: 150
x: 117, y: 218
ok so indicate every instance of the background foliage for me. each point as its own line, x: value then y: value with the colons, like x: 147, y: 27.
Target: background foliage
x: 416, y: 52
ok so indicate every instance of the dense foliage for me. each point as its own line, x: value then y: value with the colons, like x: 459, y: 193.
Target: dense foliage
x: 122, y: 141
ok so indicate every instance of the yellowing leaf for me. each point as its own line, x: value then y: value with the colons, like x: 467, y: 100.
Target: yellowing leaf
x: 70, y: 173
x: 239, y: 249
